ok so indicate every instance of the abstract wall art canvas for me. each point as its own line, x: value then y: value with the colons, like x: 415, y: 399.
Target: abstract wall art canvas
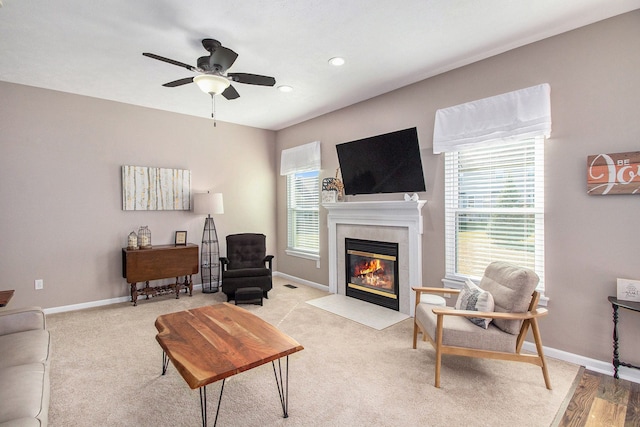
x: 155, y: 189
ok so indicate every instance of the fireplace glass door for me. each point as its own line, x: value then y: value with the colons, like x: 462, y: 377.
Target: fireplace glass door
x: 372, y: 272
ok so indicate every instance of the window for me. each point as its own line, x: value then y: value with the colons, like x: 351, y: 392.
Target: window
x: 494, y: 181
x: 301, y: 166
x: 303, y: 197
x: 494, y: 207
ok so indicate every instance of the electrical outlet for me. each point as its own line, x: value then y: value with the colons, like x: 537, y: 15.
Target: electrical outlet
x: 318, y: 264
x: 39, y: 283
x: 447, y: 295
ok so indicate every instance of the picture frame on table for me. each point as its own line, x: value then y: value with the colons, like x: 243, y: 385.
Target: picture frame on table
x: 329, y: 196
x: 181, y: 238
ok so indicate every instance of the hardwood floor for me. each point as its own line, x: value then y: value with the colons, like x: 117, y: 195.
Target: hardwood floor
x: 601, y: 400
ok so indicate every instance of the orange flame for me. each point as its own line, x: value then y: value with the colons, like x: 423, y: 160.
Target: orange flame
x: 368, y: 267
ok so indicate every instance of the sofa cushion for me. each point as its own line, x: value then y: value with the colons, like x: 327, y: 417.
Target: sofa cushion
x: 22, y: 422
x: 246, y: 250
x: 24, y: 393
x: 21, y: 319
x: 459, y: 332
x: 24, y: 347
x: 511, y: 287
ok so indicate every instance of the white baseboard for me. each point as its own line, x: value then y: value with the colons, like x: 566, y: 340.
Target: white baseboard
x: 302, y: 281
x: 117, y: 300
x: 603, y: 367
x: 92, y: 304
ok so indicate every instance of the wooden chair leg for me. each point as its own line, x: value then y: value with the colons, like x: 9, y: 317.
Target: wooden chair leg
x: 538, y: 340
x: 438, y: 350
x: 415, y: 323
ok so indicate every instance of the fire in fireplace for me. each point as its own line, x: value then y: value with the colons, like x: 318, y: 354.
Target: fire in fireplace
x: 372, y: 272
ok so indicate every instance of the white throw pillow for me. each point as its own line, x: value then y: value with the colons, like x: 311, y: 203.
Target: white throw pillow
x: 473, y: 298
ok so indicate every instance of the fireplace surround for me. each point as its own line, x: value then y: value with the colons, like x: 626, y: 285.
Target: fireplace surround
x: 387, y: 221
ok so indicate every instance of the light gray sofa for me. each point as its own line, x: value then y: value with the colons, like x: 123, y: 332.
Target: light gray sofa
x: 25, y: 347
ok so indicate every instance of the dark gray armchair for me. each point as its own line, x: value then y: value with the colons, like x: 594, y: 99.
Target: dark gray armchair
x: 246, y: 264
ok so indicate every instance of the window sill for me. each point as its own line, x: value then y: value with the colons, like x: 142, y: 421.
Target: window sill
x: 301, y: 254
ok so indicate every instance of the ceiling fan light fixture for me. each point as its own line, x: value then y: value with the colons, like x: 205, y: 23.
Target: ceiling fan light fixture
x: 211, y: 83
x: 336, y: 61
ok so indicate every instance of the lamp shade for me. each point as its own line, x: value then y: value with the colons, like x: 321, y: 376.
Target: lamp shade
x: 208, y: 203
x: 212, y: 83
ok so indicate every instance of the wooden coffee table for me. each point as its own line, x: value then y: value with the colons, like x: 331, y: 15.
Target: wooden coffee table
x: 211, y: 343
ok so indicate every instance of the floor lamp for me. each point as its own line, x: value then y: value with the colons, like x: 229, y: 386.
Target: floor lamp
x: 208, y: 204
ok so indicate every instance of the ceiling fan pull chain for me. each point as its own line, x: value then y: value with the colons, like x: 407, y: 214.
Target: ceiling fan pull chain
x: 213, y: 110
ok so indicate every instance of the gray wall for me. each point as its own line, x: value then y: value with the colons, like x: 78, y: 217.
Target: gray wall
x: 61, y: 217
x: 590, y: 240
x: 60, y: 191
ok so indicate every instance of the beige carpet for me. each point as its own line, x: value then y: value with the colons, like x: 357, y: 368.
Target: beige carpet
x: 106, y: 367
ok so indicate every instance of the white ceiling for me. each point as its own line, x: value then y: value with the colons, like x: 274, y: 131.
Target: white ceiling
x: 94, y: 48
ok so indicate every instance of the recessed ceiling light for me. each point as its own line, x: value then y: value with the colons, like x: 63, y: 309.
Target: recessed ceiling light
x: 285, y: 88
x: 336, y: 61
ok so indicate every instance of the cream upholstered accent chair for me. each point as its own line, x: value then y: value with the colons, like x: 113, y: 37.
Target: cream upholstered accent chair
x: 468, y: 332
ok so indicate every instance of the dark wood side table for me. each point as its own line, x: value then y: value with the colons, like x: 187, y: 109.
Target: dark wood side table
x: 629, y: 305
x: 5, y: 297
x: 160, y: 262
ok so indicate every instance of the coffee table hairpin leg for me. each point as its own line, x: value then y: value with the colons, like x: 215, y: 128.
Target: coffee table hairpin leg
x: 283, y: 392
x: 203, y: 404
x: 281, y: 382
x: 203, y: 393
x: 165, y: 362
x: 283, y: 388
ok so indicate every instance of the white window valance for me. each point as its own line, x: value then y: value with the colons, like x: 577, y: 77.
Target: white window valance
x: 302, y: 158
x: 522, y: 113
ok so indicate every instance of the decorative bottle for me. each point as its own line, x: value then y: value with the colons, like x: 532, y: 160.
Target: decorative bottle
x: 132, y: 242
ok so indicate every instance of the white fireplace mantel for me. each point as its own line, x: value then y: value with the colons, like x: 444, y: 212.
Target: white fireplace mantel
x: 401, y: 214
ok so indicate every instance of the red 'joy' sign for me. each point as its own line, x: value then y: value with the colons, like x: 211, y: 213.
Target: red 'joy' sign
x: 617, y: 173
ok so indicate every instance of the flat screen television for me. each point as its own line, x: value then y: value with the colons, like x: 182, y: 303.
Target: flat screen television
x: 388, y: 163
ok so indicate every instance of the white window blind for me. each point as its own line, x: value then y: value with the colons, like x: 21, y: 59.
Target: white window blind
x: 301, y: 165
x: 300, y: 159
x: 494, y: 207
x: 303, y: 213
x: 521, y: 114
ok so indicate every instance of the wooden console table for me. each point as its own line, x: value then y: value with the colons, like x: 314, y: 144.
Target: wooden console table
x: 160, y: 262
x: 615, y: 304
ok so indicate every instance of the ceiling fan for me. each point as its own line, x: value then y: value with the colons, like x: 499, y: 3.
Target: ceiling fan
x: 214, y: 78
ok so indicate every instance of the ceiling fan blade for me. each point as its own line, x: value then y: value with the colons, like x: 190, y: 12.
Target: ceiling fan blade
x: 252, y: 79
x: 230, y: 93
x: 170, y: 61
x: 180, y: 82
x: 203, y: 63
x: 224, y: 57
